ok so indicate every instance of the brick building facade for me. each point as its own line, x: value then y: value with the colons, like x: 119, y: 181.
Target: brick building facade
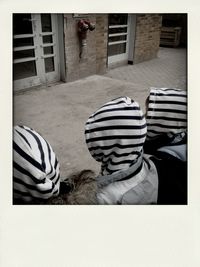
x: 47, y: 47
x: 147, y: 39
x: 145, y: 44
x: 93, y: 57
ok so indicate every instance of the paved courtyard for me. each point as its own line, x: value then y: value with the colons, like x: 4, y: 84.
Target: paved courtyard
x: 59, y: 112
x: 168, y: 69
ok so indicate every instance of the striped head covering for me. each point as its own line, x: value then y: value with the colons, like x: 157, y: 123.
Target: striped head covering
x: 36, y: 171
x: 167, y: 112
x: 115, y: 134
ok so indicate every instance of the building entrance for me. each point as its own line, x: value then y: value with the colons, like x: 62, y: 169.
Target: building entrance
x: 118, y: 37
x: 35, y: 50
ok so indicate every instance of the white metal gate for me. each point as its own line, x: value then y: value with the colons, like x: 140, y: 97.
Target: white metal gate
x: 118, y: 37
x: 35, y: 50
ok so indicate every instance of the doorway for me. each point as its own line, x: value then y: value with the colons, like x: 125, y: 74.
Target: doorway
x: 35, y: 50
x: 118, y: 37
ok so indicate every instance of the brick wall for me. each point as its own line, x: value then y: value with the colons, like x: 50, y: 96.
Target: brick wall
x: 147, y: 38
x: 94, y: 55
x: 101, y: 43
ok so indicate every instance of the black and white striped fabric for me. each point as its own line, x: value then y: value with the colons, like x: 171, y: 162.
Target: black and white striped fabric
x: 36, y: 170
x: 167, y: 112
x: 115, y: 134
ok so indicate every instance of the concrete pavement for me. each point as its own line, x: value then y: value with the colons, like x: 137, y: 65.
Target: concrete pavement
x: 167, y: 70
x: 59, y: 112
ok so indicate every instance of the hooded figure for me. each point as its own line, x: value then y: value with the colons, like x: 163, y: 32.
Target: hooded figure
x: 36, y: 170
x: 167, y: 122
x: 115, y: 135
